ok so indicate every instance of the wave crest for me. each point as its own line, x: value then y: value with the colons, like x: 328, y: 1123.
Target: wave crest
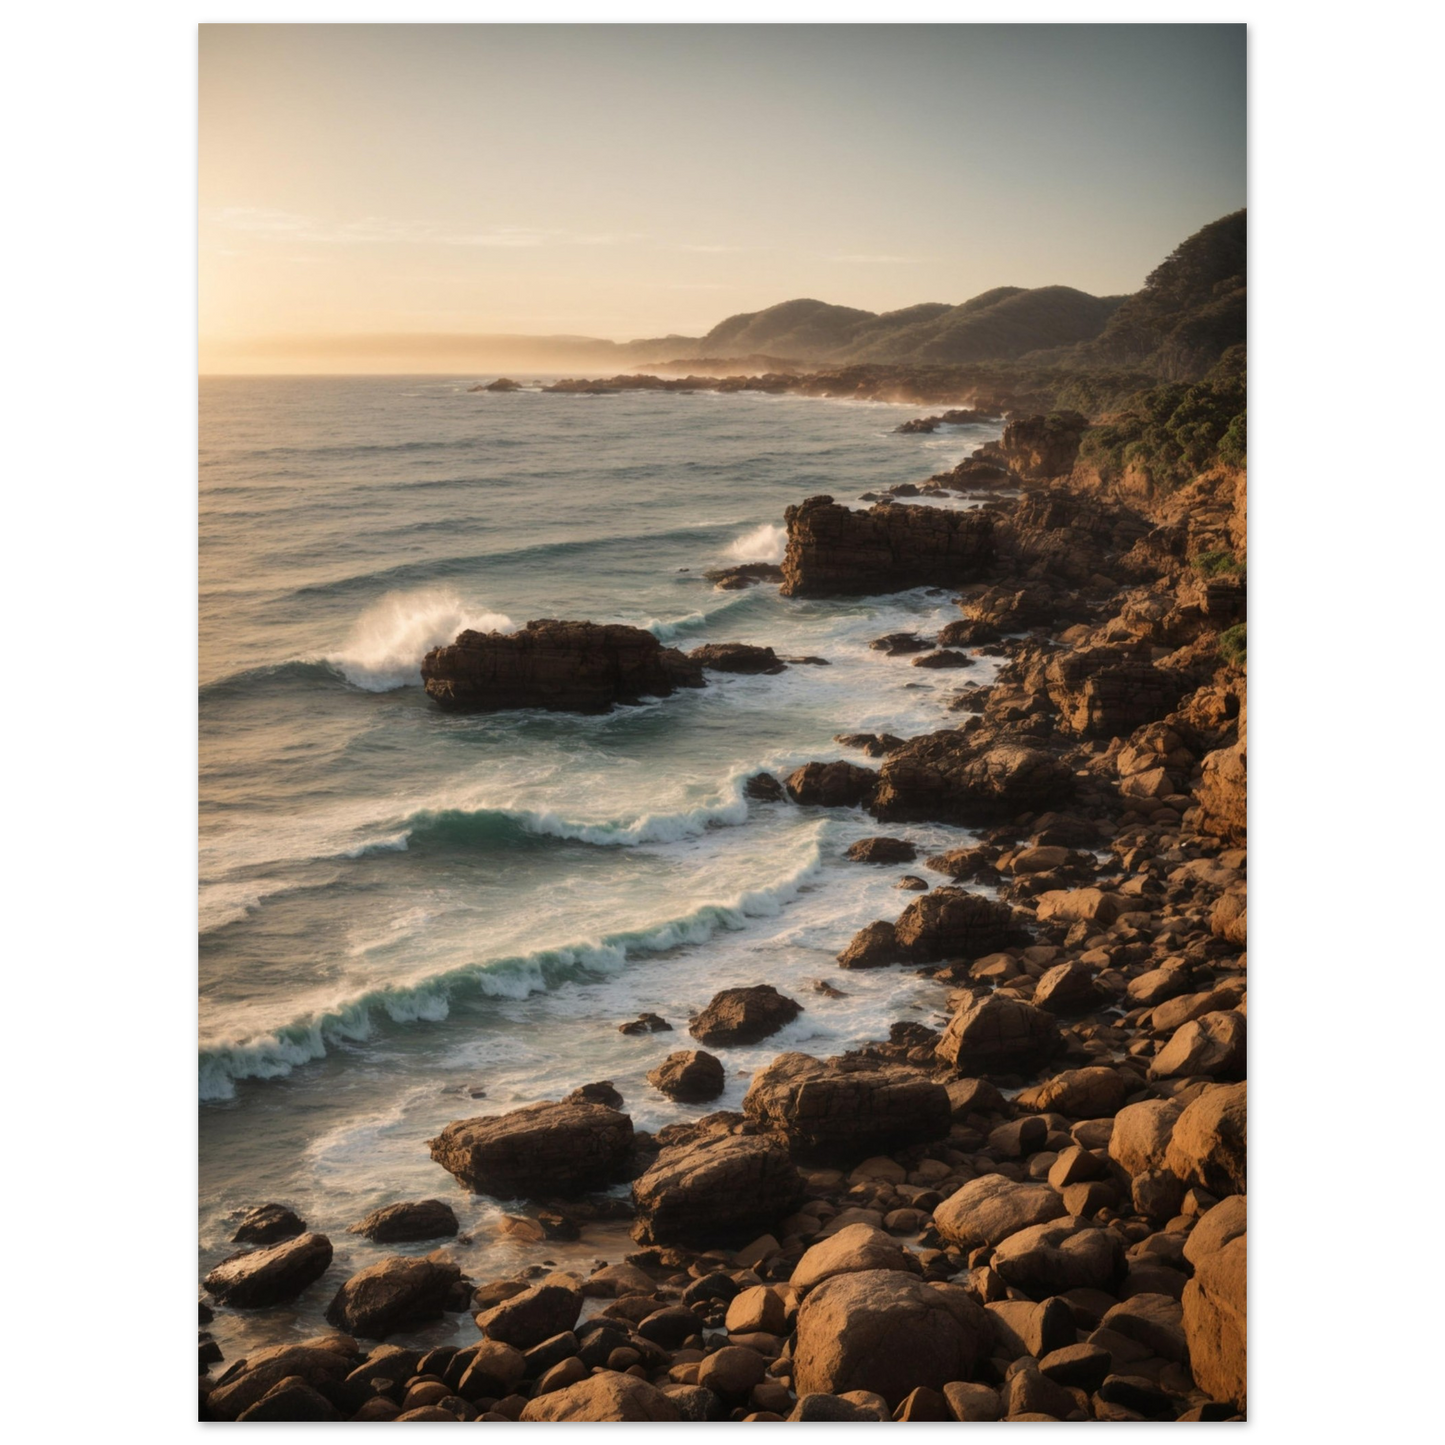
x: 388, y: 641
x: 763, y: 544
x: 430, y: 1000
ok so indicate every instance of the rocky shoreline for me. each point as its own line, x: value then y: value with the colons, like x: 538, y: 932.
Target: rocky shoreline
x: 1035, y: 1210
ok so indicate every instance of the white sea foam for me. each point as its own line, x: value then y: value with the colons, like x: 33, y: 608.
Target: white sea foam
x: 763, y: 544
x: 388, y: 641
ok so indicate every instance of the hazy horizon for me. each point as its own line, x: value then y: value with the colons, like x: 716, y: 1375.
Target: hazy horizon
x: 394, y: 198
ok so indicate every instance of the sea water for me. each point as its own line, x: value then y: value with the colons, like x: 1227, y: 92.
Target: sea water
x: 409, y: 916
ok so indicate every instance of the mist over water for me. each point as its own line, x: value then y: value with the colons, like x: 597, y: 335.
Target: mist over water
x: 400, y: 906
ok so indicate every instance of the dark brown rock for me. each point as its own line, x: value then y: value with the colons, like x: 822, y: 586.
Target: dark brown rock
x: 714, y: 1190
x: 831, y: 785
x: 948, y: 923
x: 835, y: 552
x: 256, y: 1278
x: 764, y: 788
x: 646, y: 1024
x: 736, y: 657
x: 744, y: 1015
x: 950, y: 777
x: 397, y: 1223
x: 603, y: 1091
x: 1214, y: 1319
x: 989, y: 1209
x: 564, y: 666
x: 747, y: 574
x: 847, y: 1108
x: 391, y: 1294
x: 888, y: 1332
x: 881, y: 850
x: 996, y: 1034
x: 527, y: 1319
x: 547, y: 1149
x: 690, y: 1076
x: 900, y: 644
x: 607, y: 1395
x: 267, y: 1224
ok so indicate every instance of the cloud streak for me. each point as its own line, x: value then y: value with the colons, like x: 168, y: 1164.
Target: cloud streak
x: 265, y: 224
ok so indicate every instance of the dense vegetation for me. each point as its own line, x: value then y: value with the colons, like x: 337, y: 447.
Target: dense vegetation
x: 1172, y: 433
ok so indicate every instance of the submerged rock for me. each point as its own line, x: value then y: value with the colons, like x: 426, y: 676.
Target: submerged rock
x: 748, y: 574
x: 563, y: 666
x: 736, y: 657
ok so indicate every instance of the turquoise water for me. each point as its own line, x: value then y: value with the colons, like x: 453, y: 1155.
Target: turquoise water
x: 399, y: 905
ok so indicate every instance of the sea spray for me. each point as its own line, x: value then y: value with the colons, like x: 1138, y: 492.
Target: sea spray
x: 388, y: 641
x: 766, y: 543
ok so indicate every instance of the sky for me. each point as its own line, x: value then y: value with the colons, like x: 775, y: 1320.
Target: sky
x: 371, y: 195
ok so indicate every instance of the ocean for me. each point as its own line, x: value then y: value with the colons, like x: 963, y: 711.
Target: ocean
x: 408, y: 916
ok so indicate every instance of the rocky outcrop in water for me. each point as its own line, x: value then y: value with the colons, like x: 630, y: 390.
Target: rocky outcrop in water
x: 835, y: 552
x: 744, y: 1015
x: 255, y: 1278
x: 562, y: 666
x: 736, y: 657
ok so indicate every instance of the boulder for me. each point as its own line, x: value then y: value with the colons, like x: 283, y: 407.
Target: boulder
x: 1082, y: 905
x: 886, y: 1331
x: 255, y: 1278
x: 400, y: 1223
x: 646, y: 1024
x: 970, y: 1402
x: 690, y: 1076
x: 855, y: 1248
x: 997, y: 1034
x: 736, y: 657
x: 1216, y: 1227
x: 563, y: 666
x: 1223, y: 791
x: 744, y: 1015
x: 291, y: 1400
x: 1067, y: 989
x: 1229, y: 918
x: 391, y: 1294
x: 847, y: 1108
x: 1110, y: 690
x: 1141, y: 1135
x: 537, y: 1314
x: 715, y: 1189
x: 732, y: 1371
x: 835, y: 552
x: 1152, y: 1320
x: 1214, y: 1319
x: 831, y: 785
x: 547, y: 1149
x: 250, y: 1380
x: 948, y: 923
x: 268, y: 1223
x: 873, y: 946
x: 745, y: 574
x: 951, y: 777
x: 900, y: 644
x: 1213, y: 1045
x: 881, y: 850
x: 1059, y: 1255
x: 989, y: 1209
x: 1095, y: 1092
x: 1207, y: 1147
x: 606, y: 1395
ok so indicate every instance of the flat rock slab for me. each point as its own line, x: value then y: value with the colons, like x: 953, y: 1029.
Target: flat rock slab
x: 256, y: 1278
x: 847, y: 1109
x: 546, y: 1149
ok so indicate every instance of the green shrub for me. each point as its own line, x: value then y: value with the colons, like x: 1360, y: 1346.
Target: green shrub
x: 1231, y: 645
x: 1219, y: 564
